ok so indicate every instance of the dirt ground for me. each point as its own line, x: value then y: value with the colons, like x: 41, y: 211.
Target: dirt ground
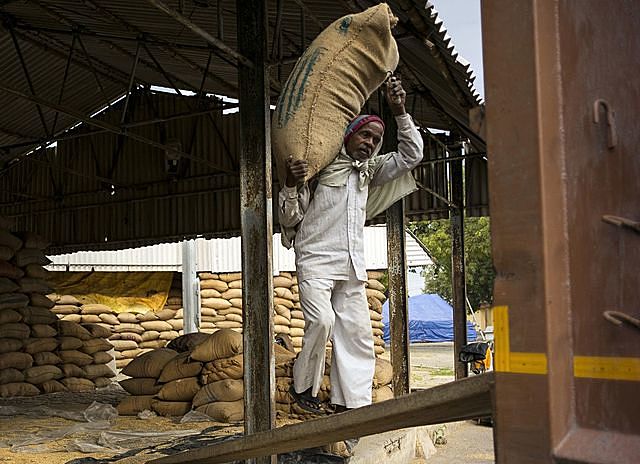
x: 53, y: 429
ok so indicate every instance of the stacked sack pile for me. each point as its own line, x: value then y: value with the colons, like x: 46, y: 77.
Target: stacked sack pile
x: 204, y: 372
x: 39, y: 353
x: 376, y: 298
x: 220, y: 301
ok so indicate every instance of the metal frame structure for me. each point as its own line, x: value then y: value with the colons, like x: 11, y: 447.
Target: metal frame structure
x: 176, y: 49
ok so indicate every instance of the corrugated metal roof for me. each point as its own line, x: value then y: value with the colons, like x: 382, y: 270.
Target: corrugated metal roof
x: 219, y: 255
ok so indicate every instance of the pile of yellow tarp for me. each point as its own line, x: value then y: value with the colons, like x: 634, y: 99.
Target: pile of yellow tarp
x: 136, y: 292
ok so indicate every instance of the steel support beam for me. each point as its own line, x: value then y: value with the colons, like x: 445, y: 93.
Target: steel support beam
x: 397, y: 265
x: 186, y: 22
x: 64, y: 82
x: 111, y: 128
x: 456, y: 216
x: 256, y: 221
x: 190, y: 287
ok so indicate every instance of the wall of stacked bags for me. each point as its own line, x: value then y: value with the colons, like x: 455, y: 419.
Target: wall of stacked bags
x: 221, y: 308
x: 205, y: 373
x: 38, y: 352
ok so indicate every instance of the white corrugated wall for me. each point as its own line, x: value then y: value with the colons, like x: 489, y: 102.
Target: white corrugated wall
x: 219, y: 255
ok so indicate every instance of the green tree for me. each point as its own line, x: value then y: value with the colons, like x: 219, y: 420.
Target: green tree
x: 436, y: 236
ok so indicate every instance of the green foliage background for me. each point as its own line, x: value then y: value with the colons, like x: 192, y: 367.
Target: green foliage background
x: 436, y: 236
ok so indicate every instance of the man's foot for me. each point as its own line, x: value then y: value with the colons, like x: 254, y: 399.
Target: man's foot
x: 306, y: 401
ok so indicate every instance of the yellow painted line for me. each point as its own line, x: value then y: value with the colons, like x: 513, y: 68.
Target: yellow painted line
x: 528, y: 363
x: 610, y: 368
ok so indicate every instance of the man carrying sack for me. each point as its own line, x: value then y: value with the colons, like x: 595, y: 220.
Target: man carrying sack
x: 325, y: 225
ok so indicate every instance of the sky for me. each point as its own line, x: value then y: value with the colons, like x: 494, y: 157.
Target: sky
x: 462, y: 21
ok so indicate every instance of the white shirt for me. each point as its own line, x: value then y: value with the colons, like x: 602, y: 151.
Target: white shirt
x: 330, y: 234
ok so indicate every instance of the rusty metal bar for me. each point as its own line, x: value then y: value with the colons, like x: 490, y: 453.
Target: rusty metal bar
x: 111, y: 128
x: 186, y: 22
x: 131, y: 80
x: 467, y: 399
x: 64, y: 82
x: 397, y: 265
x: 23, y: 64
x: 256, y: 221
x: 456, y: 216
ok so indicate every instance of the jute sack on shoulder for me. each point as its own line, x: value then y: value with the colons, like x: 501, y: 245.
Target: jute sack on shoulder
x: 329, y: 85
x: 132, y: 405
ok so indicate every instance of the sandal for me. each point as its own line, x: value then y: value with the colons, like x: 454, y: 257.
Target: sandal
x: 306, y: 401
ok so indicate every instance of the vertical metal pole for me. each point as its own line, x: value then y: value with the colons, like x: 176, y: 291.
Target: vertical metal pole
x: 456, y: 215
x: 256, y: 220
x: 397, y: 265
x: 190, y: 288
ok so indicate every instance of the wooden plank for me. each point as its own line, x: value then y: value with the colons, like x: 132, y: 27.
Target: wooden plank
x: 459, y: 400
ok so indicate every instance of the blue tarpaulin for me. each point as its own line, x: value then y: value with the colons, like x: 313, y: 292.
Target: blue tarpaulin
x: 430, y: 320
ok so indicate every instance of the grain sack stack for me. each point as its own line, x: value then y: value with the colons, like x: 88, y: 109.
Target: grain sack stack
x: 382, y: 377
x: 283, y: 303
x: 221, y: 301
x: 66, y: 307
x: 143, y: 385
x: 376, y: 298
x: 221, y: 395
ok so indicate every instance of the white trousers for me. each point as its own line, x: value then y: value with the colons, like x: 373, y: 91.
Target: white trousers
x: 336, y: 310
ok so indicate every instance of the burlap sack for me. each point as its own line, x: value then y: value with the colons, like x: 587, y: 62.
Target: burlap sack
x: 132, y: 336
x: 281, y: 329
x: 10, y: 390
x: 180, y: 367
x: 166, y: 314
x: 234, y: 317
x: 231, y: 276
x: 232, y: 293
x: 97, y: 331
x: 46, y: 358
x: 223, y: 390
x: 218, y: 285
x: 132, y: 405
x: 375, y: 304
x: 129, y: 318
x: 297, y: 314
x: 73, y: 329
x: 69, y: 343
x: 208, y: 275
x: 31, y: 285
x: 220, y: 369
x: 283, y: 301
x: 93, y: 371
x: 296, y: 332
x: 38, y: 345
x: 282, y: 395
x: 43, y: 330
x: 236, y: 302
x: 6, y: 253
x: 376, y: 285
x: 40, y: 374
x: 297, y: 323
x: 204, y: 311
x: 212, y: 319
x: 10, y: 271
x: 329, y: 85
x: 72, y: 318
x: 15, y: 330
x: 210, y: 293
x: 148, y: 316
x: 9, y: 316
x: 229, y: 324
x: 378, y: 350
x: 231, y: 310
x: 94, y: 345
x: 36, y: 271
x: 187, y: 342
x: 283, y: 282
x: 282, y: 311
x: 159, y: 326
x: 383, y: 393
x: 169, y: 335
x: 68, y: 300
x: 28, y: 256
x: 13, y: 301
x: 132, y: 353
x: 95, y: 308
x: 102, y: 357
x: 7, y: 285
x: 75, y: 357
x: 109, y: 319
x: 224, y: 411
x: 174, y: 300
x: 153, y: 344
x: 150, y: 364
x: 377, y: 332
x: 65, y: 309
x: 378, y: 341
x: 179, y: 390
x: 383, y: 373
x: 149, y: 335
x: 376, y: 294
x: 171, y: 408
x: 71, y: 370
x: 215, y: 303
x: 7, y: 345
x: 52, y: 386
x: 101, y: 382
x: 11, y: 375
x: 222, y: 344
x: 75, y: 384
x: 141, y: 386
x: 122, y: 363
x: 375, y: 316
